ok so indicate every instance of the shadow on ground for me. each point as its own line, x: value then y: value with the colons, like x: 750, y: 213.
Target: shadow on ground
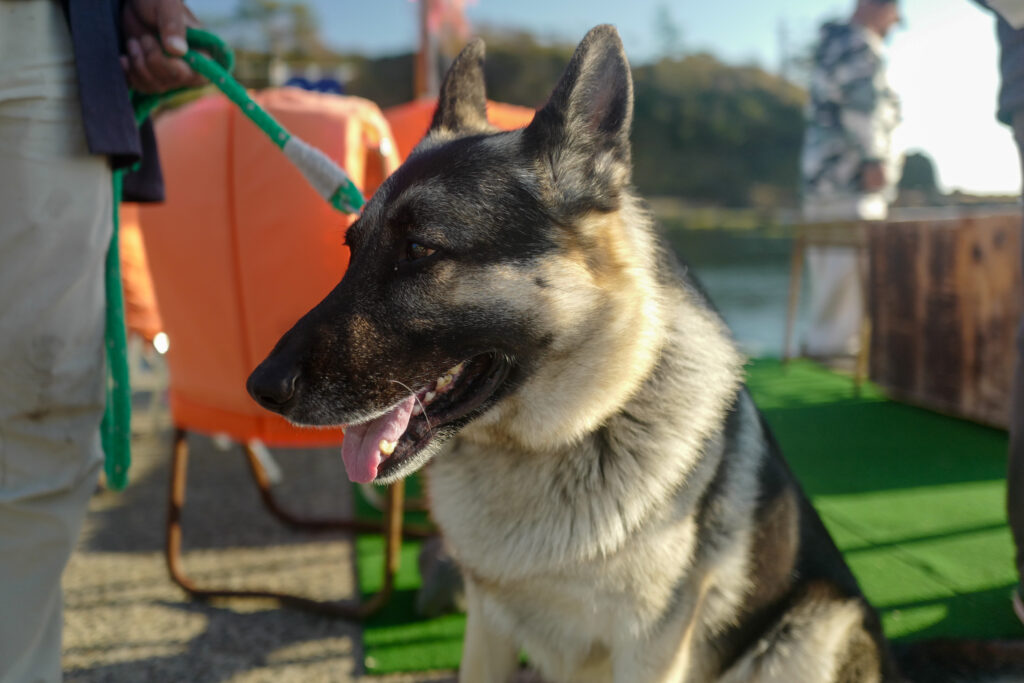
x: 269, y: 644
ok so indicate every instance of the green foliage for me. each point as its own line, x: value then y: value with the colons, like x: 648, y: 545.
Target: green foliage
x: 919, y: 174
x: 283, y: 27
x: 388, y: 81
x: 668, y: 32
x: 703, y: 130
x: 716, y: 133
x: 521, y: 70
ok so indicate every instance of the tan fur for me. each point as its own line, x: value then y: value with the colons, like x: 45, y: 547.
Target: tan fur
x: 604, y: 511
x: 579, y: 565
x: 820, y: 633
x: 607, y: 281
x: 581, y: 587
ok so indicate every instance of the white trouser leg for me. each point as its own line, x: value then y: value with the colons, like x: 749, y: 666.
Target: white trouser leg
x: 836, y: 302
x: 55, y: 223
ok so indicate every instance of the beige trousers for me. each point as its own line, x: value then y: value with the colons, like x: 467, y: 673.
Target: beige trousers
x: 836, y: 305
x: 55, y: 224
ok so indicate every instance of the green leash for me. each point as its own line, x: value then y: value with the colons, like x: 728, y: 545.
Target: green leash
x: 326, y: 177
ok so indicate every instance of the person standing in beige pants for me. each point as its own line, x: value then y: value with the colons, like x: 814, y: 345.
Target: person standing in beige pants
x: 1010, y: 30
x: 55, y: 227
x: 1015, y: 465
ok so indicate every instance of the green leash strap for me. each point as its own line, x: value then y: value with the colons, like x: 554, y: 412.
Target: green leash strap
x: 329, y: 180
x: 115, y: 430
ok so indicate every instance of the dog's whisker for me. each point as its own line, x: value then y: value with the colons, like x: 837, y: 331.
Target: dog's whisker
x: 423, y: 408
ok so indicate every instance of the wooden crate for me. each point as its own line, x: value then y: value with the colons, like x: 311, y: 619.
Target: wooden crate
x: 945, y: 300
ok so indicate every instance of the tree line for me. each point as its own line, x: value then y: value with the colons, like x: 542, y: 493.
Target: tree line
x: 705, y: 130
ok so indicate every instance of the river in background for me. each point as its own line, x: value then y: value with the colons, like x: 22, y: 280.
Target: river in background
x: 746, y: 273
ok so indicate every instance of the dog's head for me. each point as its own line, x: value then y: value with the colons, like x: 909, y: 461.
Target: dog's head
x: 477, y: 271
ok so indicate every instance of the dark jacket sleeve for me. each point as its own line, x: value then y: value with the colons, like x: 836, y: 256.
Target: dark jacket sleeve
x: 146, y: 182
x: 1011, y: 66
x: 110, y: 128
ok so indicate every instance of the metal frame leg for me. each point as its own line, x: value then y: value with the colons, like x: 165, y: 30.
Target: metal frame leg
x: 796, y: 271
x: 860, y: 372
x: 391, y: 528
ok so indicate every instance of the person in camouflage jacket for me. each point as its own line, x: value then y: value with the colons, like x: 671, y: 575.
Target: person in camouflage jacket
x: 849, y: 169
x: 849, y: 166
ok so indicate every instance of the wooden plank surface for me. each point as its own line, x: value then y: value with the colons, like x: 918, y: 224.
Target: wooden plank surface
x: 945, y: 298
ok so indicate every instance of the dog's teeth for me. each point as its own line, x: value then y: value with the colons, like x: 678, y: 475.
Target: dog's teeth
x: 457, y: 369
x: 442, y: 382
x: 386, y: 447
x: 417, y: 409
x: 430, y: 396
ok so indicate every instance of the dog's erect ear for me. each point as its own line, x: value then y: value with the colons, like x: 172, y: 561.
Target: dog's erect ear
x: 462, y: 103
x: 594, y: 97
x: 583, y: 130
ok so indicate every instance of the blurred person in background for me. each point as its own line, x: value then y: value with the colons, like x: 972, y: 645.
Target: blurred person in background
x: 849, y: 168
x: 1010, y: 28
x: 65, y: 123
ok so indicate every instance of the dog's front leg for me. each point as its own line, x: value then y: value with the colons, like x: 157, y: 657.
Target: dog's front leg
x: 488, y: 656
x: 670, y: 655
x: 650, y: 666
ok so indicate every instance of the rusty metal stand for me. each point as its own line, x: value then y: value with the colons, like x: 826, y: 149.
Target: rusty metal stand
x: 796, y: 272
x: 391, y: 527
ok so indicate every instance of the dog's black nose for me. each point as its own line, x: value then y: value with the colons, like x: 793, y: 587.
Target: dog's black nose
x: 272, y: 387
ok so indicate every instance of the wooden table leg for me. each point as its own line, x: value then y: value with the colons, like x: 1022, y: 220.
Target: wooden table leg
x: 796, y: 270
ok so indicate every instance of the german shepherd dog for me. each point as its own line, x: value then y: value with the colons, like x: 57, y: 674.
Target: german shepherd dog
x: 616, y: 503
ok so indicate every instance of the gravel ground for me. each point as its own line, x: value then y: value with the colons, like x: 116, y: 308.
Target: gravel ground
x: 125, y: 621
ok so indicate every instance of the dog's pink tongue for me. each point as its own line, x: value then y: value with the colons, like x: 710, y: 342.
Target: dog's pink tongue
x: 361, y: 448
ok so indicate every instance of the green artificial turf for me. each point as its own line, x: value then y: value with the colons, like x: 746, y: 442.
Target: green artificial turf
x: 913, y: 499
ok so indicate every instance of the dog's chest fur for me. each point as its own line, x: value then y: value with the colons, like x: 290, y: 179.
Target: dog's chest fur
x: 591, y: 546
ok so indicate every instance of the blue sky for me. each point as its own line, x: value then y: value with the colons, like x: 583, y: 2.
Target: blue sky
x: 943, y: 63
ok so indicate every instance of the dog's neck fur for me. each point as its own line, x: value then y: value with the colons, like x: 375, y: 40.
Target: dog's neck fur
x: 593, y: 439
x: 590, y: 370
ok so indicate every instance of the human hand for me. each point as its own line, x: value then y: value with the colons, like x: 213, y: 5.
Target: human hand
x: 152, y: 29
x: 872, y: 177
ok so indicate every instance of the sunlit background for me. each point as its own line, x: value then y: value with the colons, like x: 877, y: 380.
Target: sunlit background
x: 944, y: 61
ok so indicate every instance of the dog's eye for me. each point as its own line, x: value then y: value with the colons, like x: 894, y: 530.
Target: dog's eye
x: 415, y: 251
